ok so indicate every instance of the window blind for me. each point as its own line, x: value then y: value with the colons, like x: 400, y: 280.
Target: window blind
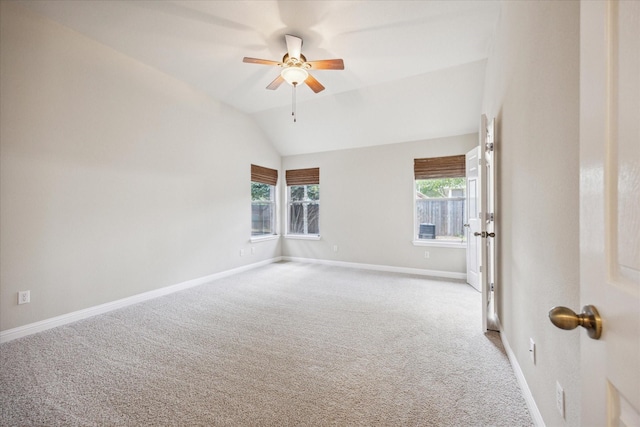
x: 439, y: 167
x: 264, y: 175
x: 303, y: 176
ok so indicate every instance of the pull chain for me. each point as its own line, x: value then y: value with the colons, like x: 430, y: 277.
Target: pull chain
x: 293, y: 102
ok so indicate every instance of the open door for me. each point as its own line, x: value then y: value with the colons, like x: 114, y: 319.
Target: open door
x: 473, y: 217
x: 610, y: 210
x: 489, y: 206
x: 485, y: 235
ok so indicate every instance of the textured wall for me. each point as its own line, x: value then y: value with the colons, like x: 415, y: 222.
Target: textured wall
x: 532, y: 88
x: 380, y: 178
x: 115, y: 179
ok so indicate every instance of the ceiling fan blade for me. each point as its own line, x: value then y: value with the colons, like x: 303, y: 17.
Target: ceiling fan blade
x: 327, y: 64
x: 275, y: 84
x: 260, y: 61
x: 294, y: 46
x: 314, y: 84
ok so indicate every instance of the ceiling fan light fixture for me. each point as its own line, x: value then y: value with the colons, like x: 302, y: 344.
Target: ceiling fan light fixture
x: 294, y: 75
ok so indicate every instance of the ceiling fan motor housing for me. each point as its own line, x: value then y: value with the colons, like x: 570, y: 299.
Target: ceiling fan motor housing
x: 295, y: 62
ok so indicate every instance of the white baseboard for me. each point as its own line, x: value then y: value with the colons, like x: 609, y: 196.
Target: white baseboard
x: 43, y: 325
x: 376, y: 267
x: 526, y: 391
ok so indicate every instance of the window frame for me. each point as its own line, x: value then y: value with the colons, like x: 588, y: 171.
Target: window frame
x: 416, y: 241
x: 304, y: 202
x: 269, y: 177
x: 301, y: 177
x: 272, y: 203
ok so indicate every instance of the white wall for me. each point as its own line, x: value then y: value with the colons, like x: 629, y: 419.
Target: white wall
x: 454, y: 88
x: 532, y: 88
x: 115, y: 179
x: 380, y: 178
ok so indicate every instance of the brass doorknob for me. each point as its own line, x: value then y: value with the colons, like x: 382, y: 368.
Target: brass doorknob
x: 565, y: 318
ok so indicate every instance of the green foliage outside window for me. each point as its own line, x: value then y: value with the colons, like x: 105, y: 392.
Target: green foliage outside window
x: 260, y: 192
x: 439, y: 187
x: 297, y: 192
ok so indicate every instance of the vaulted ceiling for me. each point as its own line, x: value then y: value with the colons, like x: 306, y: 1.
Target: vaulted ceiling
x: 413, y: 69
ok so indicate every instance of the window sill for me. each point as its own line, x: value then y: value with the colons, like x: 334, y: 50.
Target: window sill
x: 435, y: 243
x: 302, y: 236
x: 264, y: 238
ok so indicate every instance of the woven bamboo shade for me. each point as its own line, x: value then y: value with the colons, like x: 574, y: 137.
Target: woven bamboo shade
x: 264, y: 175
x: 303, y: 176
x: 439, y: 167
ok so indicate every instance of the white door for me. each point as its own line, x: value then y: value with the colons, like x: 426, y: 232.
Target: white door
x: 610, y: 209
x: 488, y: 214
x: 485, y: 236
x: 473, y: 219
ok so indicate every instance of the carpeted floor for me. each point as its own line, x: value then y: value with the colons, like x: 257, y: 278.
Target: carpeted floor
x: 287, y: 344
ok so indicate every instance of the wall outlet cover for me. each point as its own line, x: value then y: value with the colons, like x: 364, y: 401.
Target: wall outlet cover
x: 24, y: 297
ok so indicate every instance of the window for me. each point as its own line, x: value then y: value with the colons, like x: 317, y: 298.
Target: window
x: 303, y: 201
x: 263, y: 200
x: 440, y: 193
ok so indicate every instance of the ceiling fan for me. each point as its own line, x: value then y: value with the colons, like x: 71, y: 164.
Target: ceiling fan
x: 295, y: 68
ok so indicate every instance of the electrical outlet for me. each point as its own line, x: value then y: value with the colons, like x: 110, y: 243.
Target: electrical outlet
x: 426, y: 254
x: 335, y: 248
x: 241, y: 252
x: 24, y: 297
x: 253, y: 250
x: 560, y: 399
x: 532, y: 350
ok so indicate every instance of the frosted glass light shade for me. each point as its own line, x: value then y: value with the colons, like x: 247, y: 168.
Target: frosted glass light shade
x: 294, y: 75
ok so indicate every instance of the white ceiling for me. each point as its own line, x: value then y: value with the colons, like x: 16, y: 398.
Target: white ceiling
x: 413, y: 69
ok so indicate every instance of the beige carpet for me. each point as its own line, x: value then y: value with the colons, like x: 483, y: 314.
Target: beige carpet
x: 288, y: 344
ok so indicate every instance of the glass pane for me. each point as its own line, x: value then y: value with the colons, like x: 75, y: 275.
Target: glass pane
x: 260, y: 191
x: 262, y: 218
x: 296, y: 219
x: 313, y: 210
x: 441, y: 209
x: 443, y: 187
x: 313, y: 192
x: 296, y: 193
